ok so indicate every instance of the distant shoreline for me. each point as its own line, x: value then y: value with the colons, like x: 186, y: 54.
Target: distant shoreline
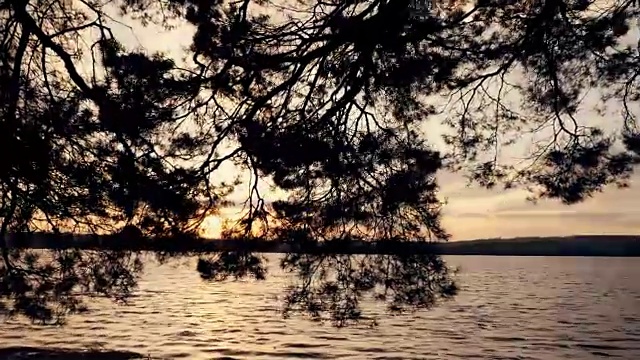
x: 589, y: 245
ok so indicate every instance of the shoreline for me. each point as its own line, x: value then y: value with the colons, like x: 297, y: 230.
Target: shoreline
x: 587, y: 245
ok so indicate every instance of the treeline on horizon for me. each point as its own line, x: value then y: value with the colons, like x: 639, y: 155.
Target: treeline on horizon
x: 586, y: 245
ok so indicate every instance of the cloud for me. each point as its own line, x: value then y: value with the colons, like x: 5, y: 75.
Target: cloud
x: 472, y: 212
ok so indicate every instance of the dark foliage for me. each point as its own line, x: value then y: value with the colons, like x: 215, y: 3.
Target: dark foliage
x: 85, y: 156
x: 334, y: 102
x: 68, y: 354
x: 335, y: 285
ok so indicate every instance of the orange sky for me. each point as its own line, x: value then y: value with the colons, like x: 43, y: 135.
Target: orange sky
x: 472, y: 213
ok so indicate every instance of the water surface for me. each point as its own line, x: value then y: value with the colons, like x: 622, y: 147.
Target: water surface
x: 508, y: 308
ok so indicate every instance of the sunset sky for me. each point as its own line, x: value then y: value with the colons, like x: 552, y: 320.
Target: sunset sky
x: 470, y: 212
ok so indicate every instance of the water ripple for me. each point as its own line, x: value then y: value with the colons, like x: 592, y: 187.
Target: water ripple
x: 524, y: 308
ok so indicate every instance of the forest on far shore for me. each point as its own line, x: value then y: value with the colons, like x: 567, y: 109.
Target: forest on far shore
x: 585, y: 245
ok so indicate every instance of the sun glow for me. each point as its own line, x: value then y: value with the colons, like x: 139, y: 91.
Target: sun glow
x: 211, y: 227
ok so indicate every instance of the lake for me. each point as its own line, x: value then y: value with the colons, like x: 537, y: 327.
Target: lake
x: 508, y: 308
